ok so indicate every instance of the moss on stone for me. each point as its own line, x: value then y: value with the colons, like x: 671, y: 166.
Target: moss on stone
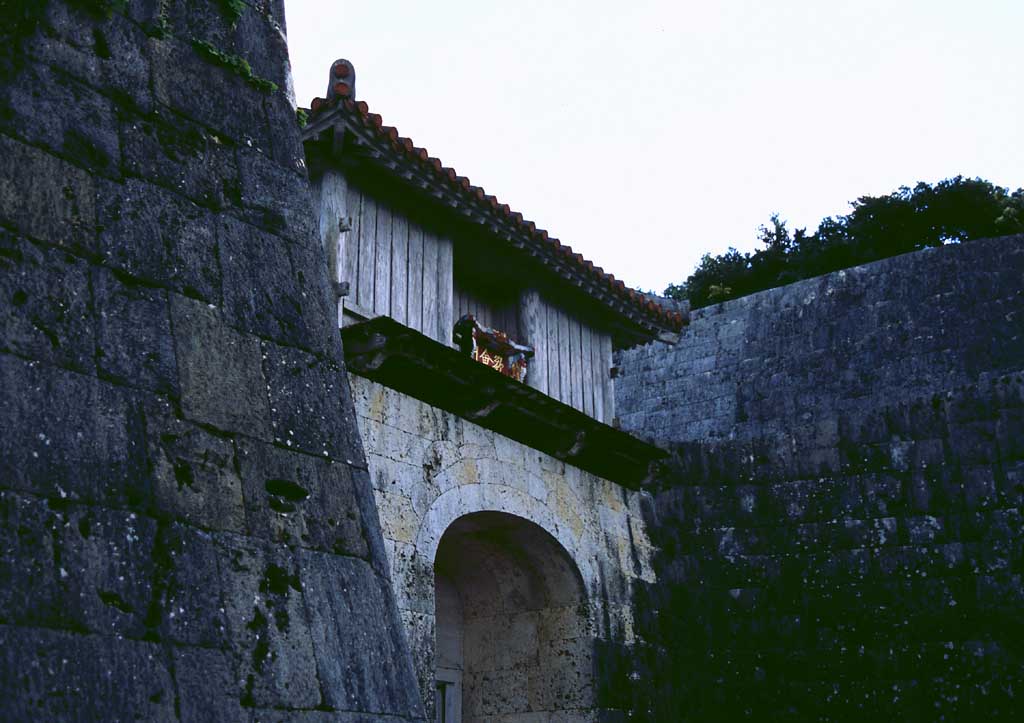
x: 235, y: 63
x: 232, y: 9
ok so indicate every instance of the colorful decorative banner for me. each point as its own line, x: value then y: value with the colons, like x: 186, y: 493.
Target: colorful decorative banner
x: 492, y: 348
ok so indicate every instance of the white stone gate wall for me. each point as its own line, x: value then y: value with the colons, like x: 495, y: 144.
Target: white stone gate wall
x: 430, y: 467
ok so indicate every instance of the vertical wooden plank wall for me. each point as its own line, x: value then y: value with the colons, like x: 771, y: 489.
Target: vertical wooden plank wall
x: 533, y: 330
x: 554, y: 353
x: 564, y: 357
x: 587, y: 363
x: 445, y: 291
x: 608, y: 384
x: 400, y: 270
x: 394, y: 267
x: 382, y: 262
x: 575, y: 367
x: 350, y: 267
x: 602, y: 374
x: 504, y: 317
x: 331, y: 195
x: 429, y: 300
x: 572, y: 360
x: 367, y: 253
x: 414, y: 307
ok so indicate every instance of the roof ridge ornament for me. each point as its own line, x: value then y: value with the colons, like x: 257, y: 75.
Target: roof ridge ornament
x: 342, y: 82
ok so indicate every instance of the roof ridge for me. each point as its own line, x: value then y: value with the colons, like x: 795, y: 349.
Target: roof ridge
x: 461, y: 184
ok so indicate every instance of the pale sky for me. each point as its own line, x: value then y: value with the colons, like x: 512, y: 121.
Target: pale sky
x: 645, y: 134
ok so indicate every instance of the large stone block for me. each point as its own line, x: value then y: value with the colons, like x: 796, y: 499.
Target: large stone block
x: 255, y: 300
x: 285, y: 149
x: 170, y: 150
x: 46, y: 309
x: 159, y: 237
x: 69, y: 436
x: 317, y: 300
x: 46, y: 198
x: 276, y: 198
x: 47, y: 108
x: 134, y: 345
x: 219, y: 370
x: 359, y: 646
x: 69, y: 676
x: 228, y: 104
x: 28, y: 575
x: 253, y: 31
x: 194, y: 475
x: 208, y: 689
x: 188, y: 600
x: 105, y: 52
x: 305, y: 403
x: 271, y: 631
x: 106, y: 570
x: 300, y: 499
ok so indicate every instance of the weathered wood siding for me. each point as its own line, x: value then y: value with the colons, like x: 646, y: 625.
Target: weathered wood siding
x: 394, y: 267
x: 397, y: 268
x: 332, y: 199
x: 501, y: 316
x: 572, y: 360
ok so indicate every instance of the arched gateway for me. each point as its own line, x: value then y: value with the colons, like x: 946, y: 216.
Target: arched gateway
x: 512, y: 631
x: 481, y: 368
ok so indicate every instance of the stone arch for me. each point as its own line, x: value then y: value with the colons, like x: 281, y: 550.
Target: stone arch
x: 512, y: 622
x: 466, y: 499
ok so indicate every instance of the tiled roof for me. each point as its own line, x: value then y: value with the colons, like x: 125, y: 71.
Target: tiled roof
x: 508, y: 223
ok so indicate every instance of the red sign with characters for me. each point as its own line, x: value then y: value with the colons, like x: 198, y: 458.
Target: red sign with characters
x: 492, y: 347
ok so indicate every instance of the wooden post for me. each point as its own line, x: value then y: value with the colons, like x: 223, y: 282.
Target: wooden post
x: 533, y: 330
x: 430, y: 315
x: 333, y: 219
x: 399, y: 268
x: 382, y: 262
x: 553, y: 352
x: 367, y: 237
x: 445, y: 291
x: 564, y: 358
x: 609, y: 383
x: 587, y: 365
x: 599, y: 368
x: 414, y: 306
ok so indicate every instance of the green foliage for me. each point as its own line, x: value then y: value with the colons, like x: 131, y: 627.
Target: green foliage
x: 161, y: 27
x: 302, y: 116
x: 236, y: 64
x: 719, y: 293
x: 232, y: 9
x: 954, y: 210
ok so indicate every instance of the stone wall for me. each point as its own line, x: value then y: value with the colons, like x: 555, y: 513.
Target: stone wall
x: 792, y: 360
x: 430, y: 468
x: 187, y: 528
x: 839, y: 531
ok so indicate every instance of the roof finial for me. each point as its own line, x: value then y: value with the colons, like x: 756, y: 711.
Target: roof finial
x: 342, y: 82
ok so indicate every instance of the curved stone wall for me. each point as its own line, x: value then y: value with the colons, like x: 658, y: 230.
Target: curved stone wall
x: 187, y: 529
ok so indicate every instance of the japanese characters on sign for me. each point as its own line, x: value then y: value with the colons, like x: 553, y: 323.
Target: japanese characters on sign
x: 492, y: 348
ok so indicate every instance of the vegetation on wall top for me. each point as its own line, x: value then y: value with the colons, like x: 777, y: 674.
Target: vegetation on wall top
x: 954, y: 210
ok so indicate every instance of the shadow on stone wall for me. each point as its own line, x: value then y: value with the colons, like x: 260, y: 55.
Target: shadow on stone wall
x: 839, y: 529
x: 889, y: 587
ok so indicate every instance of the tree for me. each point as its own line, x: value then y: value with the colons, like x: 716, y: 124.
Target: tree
x: 955, y: 210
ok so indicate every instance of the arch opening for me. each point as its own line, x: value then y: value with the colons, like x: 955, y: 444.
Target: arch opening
x: 512, y: 625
